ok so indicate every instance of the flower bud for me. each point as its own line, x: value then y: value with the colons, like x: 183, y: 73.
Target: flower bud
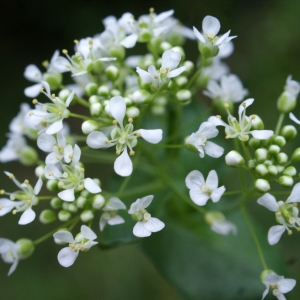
x: 56, y: 203
x: 117, y: 52
x: 103, y: 91
x: 25, y: 248
x: 71, y: 207
x: 282, y: 158
x: 290, y: 171
x: 286, y: 103
x: 145, y: 35
x: 296, y: 155
x: 279, y: 141
x: 86, y: 216
x: 280, y: 168
x: 262, y: 185
x: 96, y: 109
x: 213, y: 216
x: 115, y: 92
x: 208, y: 50
x: 81, y: 202
x: 91, y: 89
x: 261, y: 155
x: 89, y: 126
x: 165, y: 46
x: 52, y: 185
x: 254, y: 143
x: 251, y: 164
x: 274, y: 149
x: 289, y: 132
x: 39, y: 171
x: 286, y: 181
x: 64, y: 216
x: 234, y: 159
x: 181, y: 81
x: 47, y: 216
x: 54, y: 80
x: 94, y: 99
x: 98, y: 201
x: 141, y: 96
x: 261, y: 170
x: 257, y: 123
x: 28, y: 156
x: 272, y: 170
x: 189, y: 67
x: 112, y: 73
x: 184, y: 96
x: 132, y: 112
x: 64, y: 94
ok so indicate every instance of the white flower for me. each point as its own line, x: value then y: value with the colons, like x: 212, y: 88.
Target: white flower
x: 278, y: 284
x: 230, y: 89
x: 219, y: 224
x: 241, y: 128
x: 292, y: 88
x: 199, y: 139
x: 83, y: 241
x: 210, y: 28
x: 110, y: 215
x: 145, y: 223
x: 27, y: 197
x: 285, y: 212
x: 9, y: 254
x: 48, y: 117
x: 122, y: 137
x: 160, y: 78
x: 32, y: 73
x: 201, y: 190
x: 14, y: 145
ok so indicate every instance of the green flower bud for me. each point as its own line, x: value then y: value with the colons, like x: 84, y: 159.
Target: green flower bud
x: 262, y: 185
x: 189, y: 68
x: 89, y: 126
x: 279, y: 141
x: 261, y: 154
x: 280, y: 168
x: 96, y: 109
x: 132, y: 112
x: 282, y: 158
x: 86, y: 216
x: 52, y: 185
x: 71, y: 207
x: 25, y: 248
x: 251, y: 164
x: 28, y: 156
x: 118, y: 52
x: 257, y: 123
x: 115, y: 92
x: 147, y: 61
x: 91, y: 89
x: 47, y: 216
x: 268, y: 162
x: 296, y: 155
x: 64, y: 94
x: 213, y: 216
x: 286, y: 103
x: 64, y: 215
x: 208, y: 50
x: 141, y: 96
x: 98, y: 201
x: 289, y: 132
x: 272, y: 170
x: 261, y: 170
x: 254, y: 143
x: 94, y: 99
x: 39, y: 171
x: 56, y: 203
x: 165, y: 46
x: 181, y: 81
x: 274, y: 149
x: 54, y: 80
x: 145, y: 35
x: 184, y: 96
x: 112, y: 73
x: 290, y: 171
x: 81, y: 202
x: 103, y: 91
x: 286, y: 181
x: 234, y: 159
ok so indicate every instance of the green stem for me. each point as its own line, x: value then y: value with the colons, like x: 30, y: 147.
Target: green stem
x: 45, y: 197
x: 79, y: 116
x: 195, y: 74
x: 279, y: 123
x: 168, y: 146
x: 246, y: 151
x: 82, y: 102
x: 254, y: 236
x: 233, y: 193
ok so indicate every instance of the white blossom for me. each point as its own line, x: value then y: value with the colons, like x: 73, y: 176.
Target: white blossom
x: 9, y: 254
x: 200, y: 190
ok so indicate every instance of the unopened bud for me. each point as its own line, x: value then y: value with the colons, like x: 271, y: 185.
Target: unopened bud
x: 64, y: 94
x: 47, y: 216
x: 54, y: 80
x: 112, y: 73
x: 64, y: 215
x: 189, y: 67
x: 254, y: 143
x: 91, y: 89
x: 290, y: 171
x: 234, y: 159
x: 103, y: 91
x: 96, y: 109
x: 56, y: 203
x: 296, y: 155
x: 257, y: 123
x: 274, y: 149
x: 184, y: 96
x: 98, y: 201
x: 181, y: 81
x: 282, y: 158
x: 286, y: 181
x: 25, y: 247
x: 141, y: 96
x: 289, y: 132
x: 165, y: 46
x: 81, y: 201
x: 262, y: 185
x: 86, y: 216
x: 89, y: 126
x: 208, y: 50
x: 261, y: 170
x: 71, y: 207
x: 261, y: 155
x: 280, y: 141
x: 39, y: 171
x: 94, y: 99
x: 251, y: 164
x: 272, y: 170
x: 28, y: 156
x: 52, y: 185
x: 132, y: 112
x: 286, y: 103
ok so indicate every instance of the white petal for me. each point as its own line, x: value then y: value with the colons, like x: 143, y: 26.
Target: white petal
x: 212, y: 180
x: 223, y: 227
x: 116, y: 220
x: 154, y: 225
x: 140, y: 230
x: 68, y: 151
x: 129, y: 41
x: 67, y: 195
x: 6, y: 206
x: 117, y: 108
x: 146, y: 77
x: 32, y: 73
x: 61, y: 140
x: 145, y: 202
x: 217, y: 194
x: 33, y: 91
x: 159, y: 30
x: 198, y: 197
x: 208, y: 129
x: 213, y: 150
x: 198, y: 35
x: 211, y: 25
x: 52, y: 169
x: 268, y: 201
x: 91, y: 186
x: 38, y: 186
x: 266, y: 291
x: 46, y: 85
x: 123, y: 164
x: 114, y: 204
x: 293, y: 118
x: 46, y: 142
x: 286, y: 285
x: 194, y: 179
x: 176, y: 72
x: 51, y: 158
x: 153, y: 136
x: 224, y: 38
x: 103, y: 222
x: 275, y: 234
x: 216, y: 121
x: 67, y: 256
x: 244, y: 105
x: 295, y: 195
x: 153, y: 72
x: 88, y: 232
x: 170, y: 59
x: 70, y: 98
x: 76, y: 154
x: 163, y: 16
x: 262, y: 134
x: 13, y: 267
x: 27, y: 216
x: 64, y: 236
x: 55, y: 127
x: 98, y: 139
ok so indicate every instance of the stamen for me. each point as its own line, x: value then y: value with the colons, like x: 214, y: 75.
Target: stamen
x: 42, y: 90
x: 106, y: 141
x: 50, y: 174
x: 28, y: 201
x: 11, y: 176
x: 26, y: 181
x: 290, y: 232
x: 118, y: 152
x: 226, y: 105
x: 70, y: 156
x: 130, y: 120
x: 115, y: 122
x: 227, y: 136
x: 138, y: 134
x: 45, y: 63
x: 58, y: 157
x: 14, y: 211
x: 31, y: 114
x: 131, y: 152
x: 53, y: 96
x: 60, y: 184
x: 1, y: 207
x: 66, y: 51
x: 253, y: 117
x: 2, y: 192
x: 80, y: 187
x: 244, y: 104
x: 34, y: 101
x: 76, y: 42
x: 82, y: 170
x: 218, y: 116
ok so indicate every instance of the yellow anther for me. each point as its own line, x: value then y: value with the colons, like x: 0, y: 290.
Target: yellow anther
x: 72, y: 246
x: 218, y: 116
x: 50, y: 174
x: 227, y: 136
x: 290, y: 232
x: 70, y: 155
x: 138, y: 134
x: 60, y: 184
x: 43, y: 121
x: 91, y: 47
x: 115, y: 122
x: 76, y: 42
x: 14, y: 211
x: 130, y: 120
x: 82, y: 170
x: 1, y: 207
x: 2, y: 192
x: 298, y: 228
x: 131, y: 152
x: 45, y: 63
x: 41, y: 89
x: 244, y: 104
x: 34, y: 101
x: 118, y: 152
x: 278, y: 214
x: 28, y: 201
x: 90, y: 41
x: 26, y: 181
x: 60, y: 113
x: 65, y: 51
x: 253, y: 117
x: 226, y: 105
x: 68, y: 66
x: 80, y: 187
x: 58, y: 157
x: 79, y: 58
x: 151, y: 10
x: 53, y: 96
x: 244, y: 137
x: 31, y: 114
x: 11, y: 176
x: 106, y: 141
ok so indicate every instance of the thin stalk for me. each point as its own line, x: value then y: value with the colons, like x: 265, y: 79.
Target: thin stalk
x: 279, y: 123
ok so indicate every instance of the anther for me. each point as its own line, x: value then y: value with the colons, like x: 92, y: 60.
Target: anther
x: 91, y: 47
x: 76, y: 42
x: 11, y: 176
x: 1, y: 207
x: 42, y: 90
x: 290, y: 232
x: 50, y: 174
x: 253, y: 117
x: 82, y: 170
x: 2, y: 192
x: 106, y: 141
x: 278, y: 214
x: 26, y: 181
x: 244, y: 104
x: 53, y: 96
x: 58, y: 157
x: 60, y: 184
x: 70, y: 155
x: 65, y: 51
x: 34, y: 101
x: 28, y: 201
x: 226, y: 105
x: 227, y: 136
x: 90, y: 41
x: 80, y: 187
x: 130, y: 120
x: 131, y: 152
x: 31, y: 114
x: 138, y: 134
x: 115, y: 122
x: 45, y: 63
x: 218, y: 116
x: 118, y: 152
x: 14, y: 211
